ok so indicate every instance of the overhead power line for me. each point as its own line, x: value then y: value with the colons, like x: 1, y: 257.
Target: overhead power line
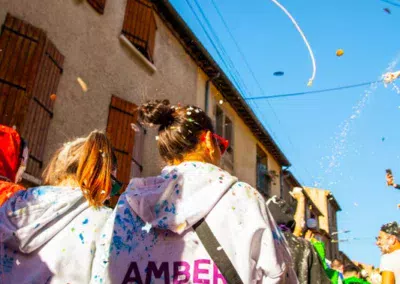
x: 312, y: 92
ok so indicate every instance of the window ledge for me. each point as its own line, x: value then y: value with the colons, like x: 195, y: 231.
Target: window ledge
x: 137, y: 53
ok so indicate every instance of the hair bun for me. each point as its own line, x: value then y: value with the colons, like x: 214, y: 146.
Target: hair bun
x: 157, y: 113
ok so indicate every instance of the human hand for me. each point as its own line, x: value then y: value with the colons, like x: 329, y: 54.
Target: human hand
x: 389, y: 179
x: 297, y: 193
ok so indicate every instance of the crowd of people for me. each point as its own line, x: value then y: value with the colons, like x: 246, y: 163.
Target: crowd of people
x: 193, y: 223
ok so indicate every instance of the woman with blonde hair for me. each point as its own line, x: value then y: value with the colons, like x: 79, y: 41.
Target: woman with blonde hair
x: 194, y: 223
x: 48, y: 234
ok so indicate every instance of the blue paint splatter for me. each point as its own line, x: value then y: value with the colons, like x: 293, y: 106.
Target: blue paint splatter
x: 81, y: 237
x: 85, y: 221
x: 171, y: 210
x: 119, y: 245
x: 8, y: 263
x: 177, y: 191
x: 37, y: 225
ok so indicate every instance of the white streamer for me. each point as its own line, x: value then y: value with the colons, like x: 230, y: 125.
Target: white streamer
x: 304, y: 39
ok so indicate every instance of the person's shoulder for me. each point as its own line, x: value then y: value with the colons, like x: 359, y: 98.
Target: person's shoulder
x: 389, y: 261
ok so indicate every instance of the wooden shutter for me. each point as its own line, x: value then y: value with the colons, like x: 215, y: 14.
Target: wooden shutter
x: 98, y: 5
x: 30, y: 69
x: 21, y: 48
x: 140, y: 26
x: 40, y: 110
x: 121, y: 116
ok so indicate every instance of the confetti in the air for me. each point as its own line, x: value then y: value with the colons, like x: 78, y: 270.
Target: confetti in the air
x: 339, y: 52
x: 330, y: 164
x: 53, y: 97
x: 157, y: 138
x: 219, y: 248
x: 82, y: 84
x: 221, y: 102
x: 356, y: 204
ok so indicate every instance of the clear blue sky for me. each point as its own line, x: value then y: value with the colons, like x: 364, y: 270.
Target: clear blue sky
x: 308, y: 128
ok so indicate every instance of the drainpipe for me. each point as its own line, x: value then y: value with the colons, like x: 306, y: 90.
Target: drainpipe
x: 208, y: 88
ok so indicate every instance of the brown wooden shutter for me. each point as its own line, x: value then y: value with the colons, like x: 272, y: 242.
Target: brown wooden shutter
x: 98, y: 5
x: 30, y: 69
x: 40, y: 110
x: 121, y: 116
x: 21, y: 49
x: 140, y: 26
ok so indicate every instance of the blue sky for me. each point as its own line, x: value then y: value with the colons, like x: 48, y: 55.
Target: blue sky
x: 318, y: 129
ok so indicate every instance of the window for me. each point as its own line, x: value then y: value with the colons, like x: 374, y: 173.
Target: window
x: 30, y: 70
x: 98, y: 5
x: 263, y: 178
x: 224, y: 128
x: 122, y: 117
x: 140, y: 26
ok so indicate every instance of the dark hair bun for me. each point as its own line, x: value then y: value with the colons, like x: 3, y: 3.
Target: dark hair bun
x: 157, y: 113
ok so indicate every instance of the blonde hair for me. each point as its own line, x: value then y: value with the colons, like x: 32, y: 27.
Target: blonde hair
x: 89, y: 162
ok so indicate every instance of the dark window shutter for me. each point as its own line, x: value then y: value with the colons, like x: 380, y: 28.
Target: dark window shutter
x: 140, y: 26
x: 30, y: 69
x: 40, y: 110
x: 21, y: 48
x: 98, y: 5
x: 121, y: 116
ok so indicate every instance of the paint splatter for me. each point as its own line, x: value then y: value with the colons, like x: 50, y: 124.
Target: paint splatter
x: 81, y: 237
x: 85, y: 221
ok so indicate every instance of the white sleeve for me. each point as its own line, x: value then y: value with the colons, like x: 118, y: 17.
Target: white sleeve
x: 386, y: 263
x: 273, y: 258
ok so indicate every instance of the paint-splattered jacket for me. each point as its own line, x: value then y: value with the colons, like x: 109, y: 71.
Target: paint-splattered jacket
x: 48, y: 235
x: 149, y: 238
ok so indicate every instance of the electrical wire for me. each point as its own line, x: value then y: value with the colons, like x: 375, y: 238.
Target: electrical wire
x: 314, y: 92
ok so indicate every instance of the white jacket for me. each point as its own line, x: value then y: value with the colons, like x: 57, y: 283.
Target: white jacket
x: 48, y: 235
x: 150, y: 239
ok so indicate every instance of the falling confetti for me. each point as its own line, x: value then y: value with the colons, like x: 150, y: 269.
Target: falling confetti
x: 339, y: 52
x: 53, y: 97
x: 157, y: 138
x: 329, y: 164
x: 383, y: 139
x: 82, y: 84
x: 387, y: 10
x: 221, y: 102
x: 310, y: 82
x: 219, y: 248
x: 356, y: 204
x: 279, y: 73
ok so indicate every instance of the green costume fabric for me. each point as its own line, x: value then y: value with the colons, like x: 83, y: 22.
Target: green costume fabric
x: 319, y: 246
x: 354, y: 280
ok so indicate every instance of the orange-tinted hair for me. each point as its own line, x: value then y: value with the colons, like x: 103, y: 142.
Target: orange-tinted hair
x: 89, y: 161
